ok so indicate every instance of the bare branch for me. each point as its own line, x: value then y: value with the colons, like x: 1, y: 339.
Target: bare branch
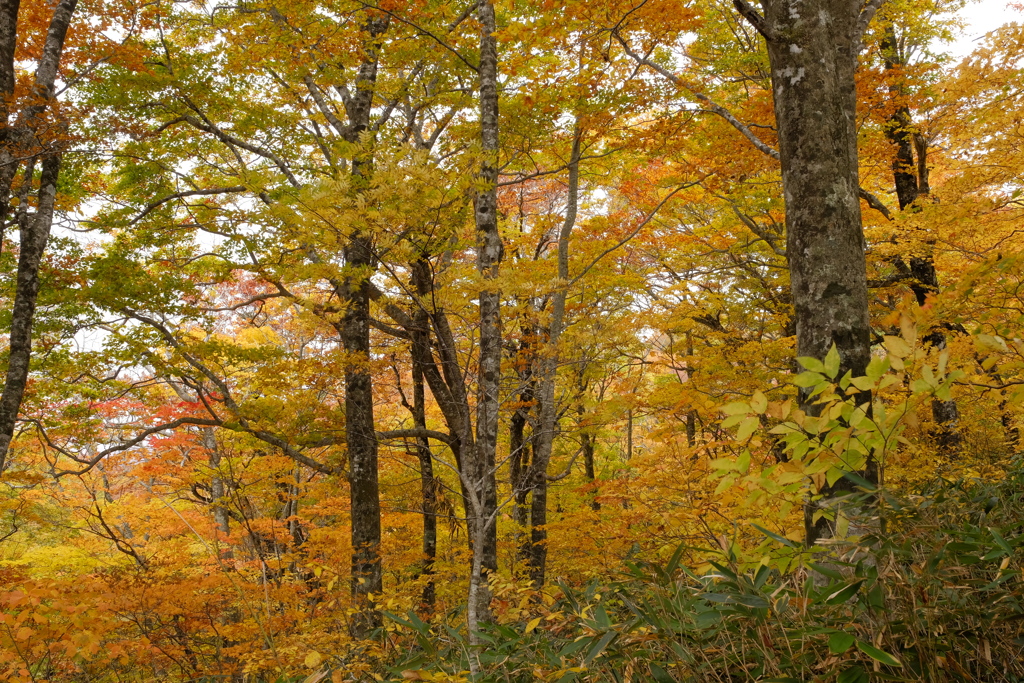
x: 706, y: 101
x: 181, y: 195
x: 875, y: 203
x: 633, y: 233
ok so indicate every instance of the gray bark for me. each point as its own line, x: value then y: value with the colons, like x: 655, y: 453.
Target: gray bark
x: 218, y: 490
x: 488, y: 258
x: 360, y: 435
x: 546, y: 375
x: 428, y: 488
x: 27, y: 140
x: 812, y: 49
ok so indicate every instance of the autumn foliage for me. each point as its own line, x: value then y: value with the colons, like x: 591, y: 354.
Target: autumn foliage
x: 335, y: 375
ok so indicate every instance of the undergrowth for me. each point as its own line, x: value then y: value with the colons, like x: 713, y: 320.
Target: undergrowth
x: 935, y: 596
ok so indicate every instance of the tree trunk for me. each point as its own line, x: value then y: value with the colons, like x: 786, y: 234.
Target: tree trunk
x: 221, y: 517
x: 428, y: 486
x: 488, y: 258
x: 547, y: 373
x: 587, y: 446
x: 518, y: 444
x: 812, y: 49
x: 911, y: 181
x: 360, y: 432
x: 26, y: 140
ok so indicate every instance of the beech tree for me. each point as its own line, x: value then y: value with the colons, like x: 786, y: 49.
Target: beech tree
x: 404, y: 334
x: 35, y: 141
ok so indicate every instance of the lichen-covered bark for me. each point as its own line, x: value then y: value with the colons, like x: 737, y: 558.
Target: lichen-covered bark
x: 488, y: 258
x: 813, y: 59
x: 812, y: 48
x: 25, y: 140
x: 360, y: 434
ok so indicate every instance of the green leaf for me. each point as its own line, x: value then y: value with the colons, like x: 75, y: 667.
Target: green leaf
x: 832, y: 362
x: 897, y: 347
x: 844, y: 594
x: 808, y: 379
x: 860, y: 481
x: 743, y: 464
x: 875, y: 597
x: 876, y: 368
x: 747, y: 427
x: 855, y: 674
x: 781, y: 539
x: 833, y: 475
x: 599, y: 647
x: 878, y: 655
x: 660, y: 675
x: 737, y: 408
x: 759, y: 403
x: 1000, y: 541
x: 863, y: 383
x: 990, y: 343
x: 812, y: 364
x: 826, y: 571
x: 840, y: 641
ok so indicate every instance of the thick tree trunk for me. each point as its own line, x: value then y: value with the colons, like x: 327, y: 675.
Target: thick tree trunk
x: 812, y: 48
x: 361, y: 439
x: 360, y: 432
x: 26, y: 140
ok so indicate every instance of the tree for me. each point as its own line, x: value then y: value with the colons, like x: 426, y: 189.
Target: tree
x: 812, y: 48
x: 36, y: 139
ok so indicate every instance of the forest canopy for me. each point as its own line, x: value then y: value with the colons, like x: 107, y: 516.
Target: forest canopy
x: 510, y: 340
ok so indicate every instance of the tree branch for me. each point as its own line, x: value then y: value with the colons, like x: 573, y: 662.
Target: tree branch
x: 867, y: 14
x: 181, y: 195
x: 755, y: 19
x: 875, y: 203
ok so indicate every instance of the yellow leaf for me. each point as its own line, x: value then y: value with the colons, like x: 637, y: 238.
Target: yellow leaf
x: 532, y: 625
x: 897, y: 347
x: 313, y: 660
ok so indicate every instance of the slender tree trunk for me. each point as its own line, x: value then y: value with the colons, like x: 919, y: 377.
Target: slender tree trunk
x: 428, y: 486
x: 26, y: 140
x: 518, y: 444
x: 8, y: 163
x: 911, y: 181
x: 489, y: 254
x: 447, y: 384
x: 587, y: 446
x: 812, y: 49
x: 629, y: 433
x: 547, y: 373
x: 691, y: 415
x: 221, y: 518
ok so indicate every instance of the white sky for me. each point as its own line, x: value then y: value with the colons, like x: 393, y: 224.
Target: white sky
x: 983, y: 16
